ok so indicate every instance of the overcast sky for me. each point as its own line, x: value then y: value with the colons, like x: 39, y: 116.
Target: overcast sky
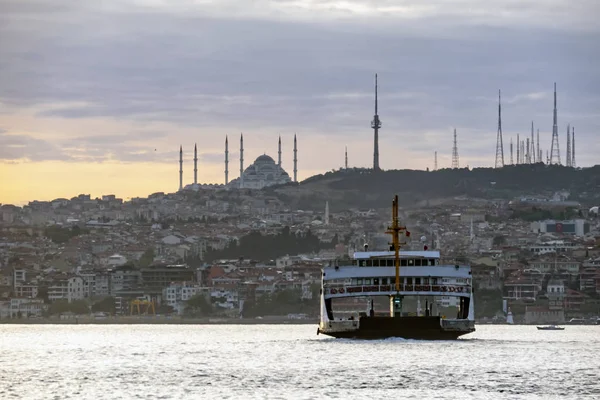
x: 98, y: 97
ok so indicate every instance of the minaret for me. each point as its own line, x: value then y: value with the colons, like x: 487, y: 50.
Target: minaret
x: 376, y: 124
x: 554, y: 150
x: 241, y: 160
x: 573, y: 163
x: 568, y: 145
x: 180, y: 167
x: 195, y: 164
x: 295, y: 160
x: 499, y: 145
x: 346, y: 158
x: 279, y: 154
x: 226, y: 160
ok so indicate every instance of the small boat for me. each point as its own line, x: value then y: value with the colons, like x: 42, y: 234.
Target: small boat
x: 550, y: 328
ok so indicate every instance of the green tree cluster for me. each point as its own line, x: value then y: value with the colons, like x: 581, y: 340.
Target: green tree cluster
x: 62, y: 306
x: 198, y: 305
x: 282, y: 302
x: 106, y: 305
x: 367, y: 189
x: 257, y: 246
x: 147, y: 258
x: 59, y: 234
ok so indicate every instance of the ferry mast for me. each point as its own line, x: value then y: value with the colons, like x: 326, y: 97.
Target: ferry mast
x: 395, y: 230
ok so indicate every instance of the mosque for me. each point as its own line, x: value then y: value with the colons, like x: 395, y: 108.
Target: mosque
x: 262, y: 173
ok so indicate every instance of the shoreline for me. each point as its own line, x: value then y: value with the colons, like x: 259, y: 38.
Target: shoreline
x: 156, y: 321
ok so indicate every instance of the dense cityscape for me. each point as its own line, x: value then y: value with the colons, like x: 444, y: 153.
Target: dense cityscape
x: 216, y: 254
x: 247, y: 250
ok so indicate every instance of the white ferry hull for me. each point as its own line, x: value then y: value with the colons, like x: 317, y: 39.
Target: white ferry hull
x: 382, y: 327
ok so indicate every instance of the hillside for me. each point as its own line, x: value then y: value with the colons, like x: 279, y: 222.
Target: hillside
x: 364, y: 188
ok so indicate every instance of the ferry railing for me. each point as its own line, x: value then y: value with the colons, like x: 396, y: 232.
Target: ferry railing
x: 335, y: 289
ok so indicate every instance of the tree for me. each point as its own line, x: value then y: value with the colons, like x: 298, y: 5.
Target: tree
x: 106, y: 305
x: 147, y: 258
x: 499, y: 241
x: 198, y: 304
x: 59, y: 307
x: 79, y: 307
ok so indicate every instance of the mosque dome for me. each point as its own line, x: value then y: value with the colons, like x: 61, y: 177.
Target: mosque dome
x: 261, y: 173
x: 264, y: 159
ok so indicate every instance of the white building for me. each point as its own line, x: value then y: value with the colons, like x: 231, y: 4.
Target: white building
x: 177, y: 294
x: 68, y: 289
x: 577, y: 227
x: 116, y: 260
x: 21, y: 307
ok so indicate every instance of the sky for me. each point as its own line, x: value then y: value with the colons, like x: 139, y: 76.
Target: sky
x: 97, y: 97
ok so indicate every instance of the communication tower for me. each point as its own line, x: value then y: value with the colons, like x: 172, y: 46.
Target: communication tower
x: 499, y: 145
x: 455, y: 161
x: 554, y: 150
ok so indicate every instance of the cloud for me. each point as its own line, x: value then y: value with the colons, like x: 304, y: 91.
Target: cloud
x: 16, y: 147
x: 270, y: 67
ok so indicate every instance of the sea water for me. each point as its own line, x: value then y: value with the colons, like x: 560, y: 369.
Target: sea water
x: 292, y: 362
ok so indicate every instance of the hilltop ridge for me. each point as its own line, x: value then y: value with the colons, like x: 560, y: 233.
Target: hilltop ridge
x: 364, y: 188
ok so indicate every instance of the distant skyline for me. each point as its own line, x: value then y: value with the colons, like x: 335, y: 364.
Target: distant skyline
x: 96, y: 98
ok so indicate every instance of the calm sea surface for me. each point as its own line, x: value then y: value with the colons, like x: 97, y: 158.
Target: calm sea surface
x: 291, y: 362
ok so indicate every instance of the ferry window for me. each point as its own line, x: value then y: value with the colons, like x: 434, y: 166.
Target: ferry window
x: 437, y: 261
x: 409, y: 281
x: 369, y: 263
x: 417, y: 263
x: 359, y: 281
x: 411, y: 262
x: 376, y: 263
x: 390, y: 263
x: 431, y: 261
x: 367, y: 281
x: 425, y: 281
x: 403, y: 263
x: 434, y: 281
x: 375, y: 281
x: 362, y: 263
x: 417, y: 281
x: 384, y: 281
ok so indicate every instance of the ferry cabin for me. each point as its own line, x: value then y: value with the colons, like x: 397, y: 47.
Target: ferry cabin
x: 373, y: 273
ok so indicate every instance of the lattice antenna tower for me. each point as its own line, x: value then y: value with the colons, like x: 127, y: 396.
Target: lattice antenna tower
x: 376, y: 125
x: 539, y: 150
x: 532, y: 152
x: 499, y: 145
x: 511, y: 152
x: 522, y: 152
x: 573, y: 163
x: 518, y: 150
x: 455, y: 160
x: 527, y: 153
x: 554, y: 150
x: 569, y: 146
x: 346, y: 158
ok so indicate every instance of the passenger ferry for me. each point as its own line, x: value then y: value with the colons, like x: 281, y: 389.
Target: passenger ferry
x: 398, y: 276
